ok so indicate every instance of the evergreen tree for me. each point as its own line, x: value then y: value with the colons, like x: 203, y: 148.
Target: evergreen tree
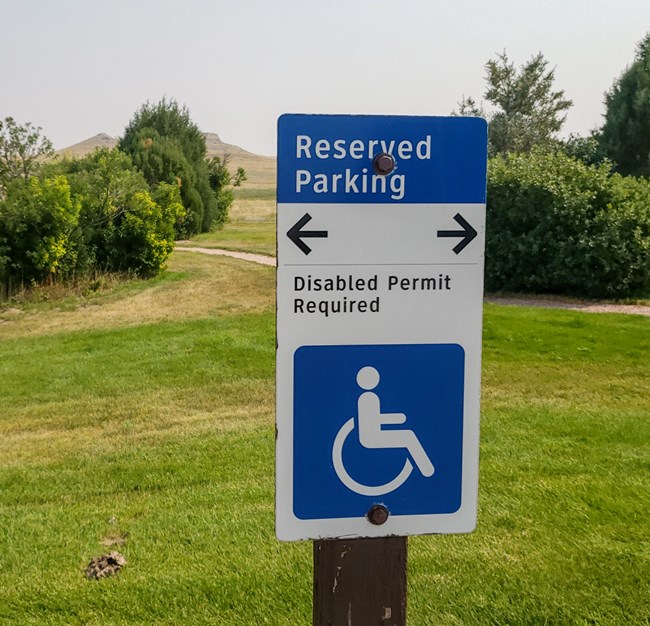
x: 527, y: 111
x: 168, y: 147
x: 625, y: 136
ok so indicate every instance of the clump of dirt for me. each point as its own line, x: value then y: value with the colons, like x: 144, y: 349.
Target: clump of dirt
x: 105, y: 565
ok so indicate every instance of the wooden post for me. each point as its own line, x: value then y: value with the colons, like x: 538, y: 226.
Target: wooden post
x: 360, y: 582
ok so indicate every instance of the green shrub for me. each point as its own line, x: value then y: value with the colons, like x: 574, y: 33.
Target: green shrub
x: 37, y: 218
x: 122, y: 228
x: 625, y: 250
x: 143, y: 236
x: 78, y: 217
x: 557, y: 225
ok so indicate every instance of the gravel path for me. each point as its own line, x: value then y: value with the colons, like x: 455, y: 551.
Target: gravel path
x: 244, y: 256
x: 585, y: 307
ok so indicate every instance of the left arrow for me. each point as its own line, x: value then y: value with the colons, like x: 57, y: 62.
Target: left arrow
x: 296, y: 235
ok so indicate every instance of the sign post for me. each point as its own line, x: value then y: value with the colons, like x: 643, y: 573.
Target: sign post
x: 381, y: 224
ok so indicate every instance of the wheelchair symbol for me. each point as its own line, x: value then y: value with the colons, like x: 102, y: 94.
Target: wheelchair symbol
x: 370, y: 420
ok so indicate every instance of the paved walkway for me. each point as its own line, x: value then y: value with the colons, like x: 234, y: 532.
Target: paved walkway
x: 586, y: 307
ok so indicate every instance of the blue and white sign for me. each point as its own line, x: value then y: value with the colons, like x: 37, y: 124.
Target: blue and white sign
x: 380, y: 286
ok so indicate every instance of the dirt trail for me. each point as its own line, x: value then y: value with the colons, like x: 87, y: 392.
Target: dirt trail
x: 585, y: 307
x: 244, y: 256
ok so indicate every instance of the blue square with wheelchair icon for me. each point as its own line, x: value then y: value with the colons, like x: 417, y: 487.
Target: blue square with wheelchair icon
x: 377, y: 424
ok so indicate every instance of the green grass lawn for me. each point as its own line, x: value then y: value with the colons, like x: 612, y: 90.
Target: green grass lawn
x: 143, y: 421
x: 251, y: 227
x: 254, y: 193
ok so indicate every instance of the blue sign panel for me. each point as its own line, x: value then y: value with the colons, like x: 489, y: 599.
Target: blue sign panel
x: 328, y: 159
x: 377, y: 424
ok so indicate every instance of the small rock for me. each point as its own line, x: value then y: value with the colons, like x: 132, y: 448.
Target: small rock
x: 105, y: 565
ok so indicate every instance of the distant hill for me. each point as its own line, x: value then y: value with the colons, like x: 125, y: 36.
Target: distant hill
x: 89, y: 145
x: 260, y: 170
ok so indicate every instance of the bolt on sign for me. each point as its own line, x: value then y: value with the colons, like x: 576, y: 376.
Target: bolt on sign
x: 381, y: 237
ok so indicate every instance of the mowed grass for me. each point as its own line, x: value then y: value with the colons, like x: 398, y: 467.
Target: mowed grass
x: 563, y: 536
x: 158, y: 434
x: 253, y: 204
x: 141, y: 419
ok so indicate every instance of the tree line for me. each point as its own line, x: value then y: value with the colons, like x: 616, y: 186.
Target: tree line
x: 114, y: 210
x: 566, y: 216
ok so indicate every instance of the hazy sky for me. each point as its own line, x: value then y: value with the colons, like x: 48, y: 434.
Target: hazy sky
x: 80, y: 67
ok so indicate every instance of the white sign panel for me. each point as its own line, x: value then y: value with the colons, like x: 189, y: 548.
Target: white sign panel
x: 381, y: 225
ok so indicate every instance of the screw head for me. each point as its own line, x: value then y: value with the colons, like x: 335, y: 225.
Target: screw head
x: 383, y: 163
x: 377, y: 514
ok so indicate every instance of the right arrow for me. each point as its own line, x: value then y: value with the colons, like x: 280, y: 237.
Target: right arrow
x: 468, y: 233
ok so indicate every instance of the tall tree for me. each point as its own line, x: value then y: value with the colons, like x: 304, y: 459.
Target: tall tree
x: 527, y: 111
x: 625, y: 136
x: 22, y: 147
x: 167, y: 146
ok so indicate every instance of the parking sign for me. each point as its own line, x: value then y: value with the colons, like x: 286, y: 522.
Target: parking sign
x: 381, y: 226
